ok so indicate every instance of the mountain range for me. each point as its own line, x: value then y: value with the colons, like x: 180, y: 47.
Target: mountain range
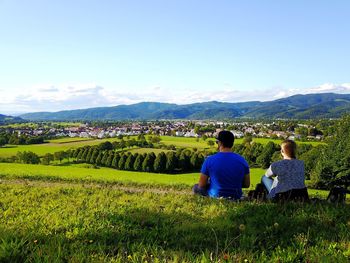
x: 323, y: 105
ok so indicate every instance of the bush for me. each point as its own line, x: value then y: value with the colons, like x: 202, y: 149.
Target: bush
x: 333, y: 165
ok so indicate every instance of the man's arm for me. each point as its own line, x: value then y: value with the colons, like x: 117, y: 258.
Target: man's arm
x: 246, y: 181
x: 203, y: 181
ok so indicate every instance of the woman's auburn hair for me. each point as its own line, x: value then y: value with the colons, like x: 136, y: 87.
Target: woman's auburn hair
x: 289, y: 147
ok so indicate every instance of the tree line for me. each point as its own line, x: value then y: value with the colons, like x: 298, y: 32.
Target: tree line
x: 15, y: 139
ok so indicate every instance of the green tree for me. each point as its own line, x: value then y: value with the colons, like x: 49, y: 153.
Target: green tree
x: 138, y: 162
x: 148, y: 162
x: 98, y: 160
x: 93, y: 157
x: 196, y: 161
x: 13, y: 140
x: 109, y: 160
x: 115, y: 161
x: 47, y: 158
x: 59, y: 156
x: 184, y: 162
x: 105, y: 156
x: 160, y: 163
x: 171, y: 162
x: 264, y: 160
x: 3, y: 141
x: 121, y: 163
x: 88, y: 155
x: 122, y: 144
x: 129, y: 163
x: 310, y: 158
x: 105, y: 146
x: 76, y: 152
x: 248, y: 138
x: 28, y: 157
x: 155, y: 139
x: 80, y: 154
x: 333, y: 164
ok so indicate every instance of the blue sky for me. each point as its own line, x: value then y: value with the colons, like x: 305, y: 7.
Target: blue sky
x: 57, y: 55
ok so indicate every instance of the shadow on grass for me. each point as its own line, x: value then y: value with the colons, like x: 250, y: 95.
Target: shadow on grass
x: 245, y: 228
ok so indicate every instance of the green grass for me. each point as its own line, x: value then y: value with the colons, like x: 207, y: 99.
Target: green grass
x: 71, y: 173
x: 185, y: 142
x: 51, y: 147
x: 147, y: 150
x: 56, y: 222
x: 70, y: 140
x: 106, y: 175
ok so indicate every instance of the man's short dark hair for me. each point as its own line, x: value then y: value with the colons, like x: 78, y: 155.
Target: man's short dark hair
x: 226, y: 138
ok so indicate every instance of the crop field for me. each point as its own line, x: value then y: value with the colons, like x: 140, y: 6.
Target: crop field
x: 68, y: 214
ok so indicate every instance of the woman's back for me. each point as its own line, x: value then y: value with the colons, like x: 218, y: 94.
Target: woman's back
x: 289, y: 174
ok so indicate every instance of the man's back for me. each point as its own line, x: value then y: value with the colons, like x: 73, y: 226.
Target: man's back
x: 226, y: 171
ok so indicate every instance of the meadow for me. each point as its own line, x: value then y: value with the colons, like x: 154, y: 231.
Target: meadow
x: 82, y: 213
x: 91, y: 220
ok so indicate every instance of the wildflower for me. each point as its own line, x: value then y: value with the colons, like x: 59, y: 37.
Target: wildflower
x: 246, y: 260
x: 91, y: 241
x: 241, y: 227
x: 130, y: 257
x: 276, y: 225
x: 226, y: 257
x: 35, y: 241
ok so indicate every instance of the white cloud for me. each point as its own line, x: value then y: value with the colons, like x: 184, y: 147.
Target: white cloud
x: 48, y: 97
x: 329, y: 87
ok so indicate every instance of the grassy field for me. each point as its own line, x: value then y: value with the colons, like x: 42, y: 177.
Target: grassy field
x: 70, y: 140
x: 80, y: 173
x: 71, y: 143
x: 50, y: 221
x: 147, y: 150
x: 103, y: 175
x: 51, y: 147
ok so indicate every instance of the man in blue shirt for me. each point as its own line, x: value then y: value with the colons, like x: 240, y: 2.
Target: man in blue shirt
x: 224, y: 173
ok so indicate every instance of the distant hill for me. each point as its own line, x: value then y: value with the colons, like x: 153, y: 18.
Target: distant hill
x: 325, y: 105
x: 4, y: 119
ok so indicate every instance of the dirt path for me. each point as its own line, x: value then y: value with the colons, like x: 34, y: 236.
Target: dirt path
x: 125, y: 188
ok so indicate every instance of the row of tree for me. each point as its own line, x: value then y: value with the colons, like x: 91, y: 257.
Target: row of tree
x: 170, y: 162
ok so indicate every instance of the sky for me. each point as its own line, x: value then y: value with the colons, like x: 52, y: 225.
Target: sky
x: 60, y: 55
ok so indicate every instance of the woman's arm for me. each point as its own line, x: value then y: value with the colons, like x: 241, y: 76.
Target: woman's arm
x: 269, y: 172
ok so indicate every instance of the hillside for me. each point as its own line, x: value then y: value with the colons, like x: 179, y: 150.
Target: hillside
x: 325, y: 105
x: 76, y: 221
x: 4, y: 119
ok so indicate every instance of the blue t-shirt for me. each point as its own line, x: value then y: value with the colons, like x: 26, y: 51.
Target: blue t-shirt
x: 226, y: 171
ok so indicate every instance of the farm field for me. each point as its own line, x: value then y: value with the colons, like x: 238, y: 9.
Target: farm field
x: 86, y: 221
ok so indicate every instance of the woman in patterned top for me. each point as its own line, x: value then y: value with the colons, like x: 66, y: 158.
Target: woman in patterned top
x: 287, y: 174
